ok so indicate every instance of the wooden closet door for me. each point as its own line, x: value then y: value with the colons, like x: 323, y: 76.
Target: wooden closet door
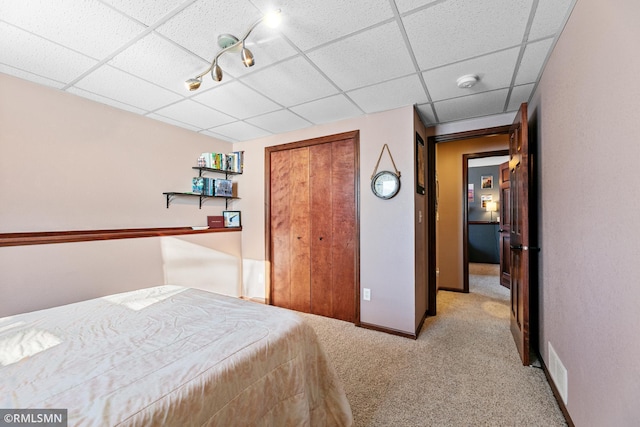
x: 280, y: 228
x: 321, y: 229
x: 290, y: 229
x: 332, y: 186
x: 343, y: 230
x: 300, y: 289
x: 313, y: 226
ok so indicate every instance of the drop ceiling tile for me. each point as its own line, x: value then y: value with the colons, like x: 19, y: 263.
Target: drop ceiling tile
x: 145, y: 11
x: 218, y: 136
x: 159, y: 61
x: 237, y: 100
x: 291, y: 82
x: 409, y: 5
x: 32, y: 54
x: 348, y: 62
x: 195, y: 114
x: 495, y: 71
x: 30, y: 77
x: 103, y: 100
x: 102, y: 29
x: 482, y: 104
x: 327, y: 110
x: 279, y: 121
x: 310, y: 23
x: 532, y: 61
x: 389, y: 95
x: 240, y: 131
x: 426, y: 112
x: 519, y: 94
x: 549, y: 17
x: 459, y: 29
x: 197, y: 27
x: 160, y: 118
x: 115, y: 84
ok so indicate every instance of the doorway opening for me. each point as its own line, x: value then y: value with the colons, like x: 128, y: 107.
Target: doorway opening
x: 482, y: 220
x: 448, y: 269
x: 522, y: 242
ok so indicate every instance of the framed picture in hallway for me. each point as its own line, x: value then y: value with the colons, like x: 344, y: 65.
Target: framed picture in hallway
x: 486, y: 181
x: 420, y: 174
x: 484, y: 199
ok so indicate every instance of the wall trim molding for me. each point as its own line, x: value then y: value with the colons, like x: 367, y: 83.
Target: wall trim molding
x: 388, y: 330
x: 48, y: 237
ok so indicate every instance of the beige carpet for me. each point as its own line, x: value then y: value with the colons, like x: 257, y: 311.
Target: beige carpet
x: 463, y: 370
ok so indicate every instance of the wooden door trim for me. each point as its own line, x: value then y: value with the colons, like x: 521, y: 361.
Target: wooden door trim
x: 465, y: 210
x: 314, y: 141
x: 477, y: 133
x: 355, y: 135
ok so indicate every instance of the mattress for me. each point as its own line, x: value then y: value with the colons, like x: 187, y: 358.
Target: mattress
x: 170, y: 356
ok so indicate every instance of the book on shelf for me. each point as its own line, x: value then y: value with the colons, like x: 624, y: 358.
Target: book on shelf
x: 213, y: 187
x: 197, y: 185
x: 231, y: 162
x: 208, y: 186
x: 216, y: 221
x: 223, y: 188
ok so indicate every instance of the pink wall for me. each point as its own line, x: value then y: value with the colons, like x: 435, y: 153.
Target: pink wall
x: 387, y: 233
x: 68, y: 163
x: 587, y: 108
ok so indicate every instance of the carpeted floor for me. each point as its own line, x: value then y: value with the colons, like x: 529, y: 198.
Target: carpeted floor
x: 463, y: 370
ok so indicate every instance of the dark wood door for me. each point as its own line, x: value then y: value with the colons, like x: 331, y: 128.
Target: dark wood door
x: 505, y: 226
x: 519, y: 222
x: 313, y: 227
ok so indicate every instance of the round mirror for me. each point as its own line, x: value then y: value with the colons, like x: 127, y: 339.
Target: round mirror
x: 385, y: 184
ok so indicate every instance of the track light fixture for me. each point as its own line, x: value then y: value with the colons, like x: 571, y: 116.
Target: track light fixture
x: 231, y: 43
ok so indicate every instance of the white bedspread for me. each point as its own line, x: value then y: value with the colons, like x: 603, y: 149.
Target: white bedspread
x: 170, y: 356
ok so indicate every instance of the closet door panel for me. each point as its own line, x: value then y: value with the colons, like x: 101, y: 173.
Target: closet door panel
x: 280, y: 222
x: 344, y: 230
x: 321, y: 186
x: 300, y: 230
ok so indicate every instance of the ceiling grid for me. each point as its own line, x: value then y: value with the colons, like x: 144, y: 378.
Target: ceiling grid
x: 327, y: 61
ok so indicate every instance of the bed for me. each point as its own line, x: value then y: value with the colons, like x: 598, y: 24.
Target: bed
x: 170, y: 356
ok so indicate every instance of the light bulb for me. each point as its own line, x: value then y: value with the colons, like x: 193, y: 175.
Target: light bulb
x: 216, y: 73
x: 273, y: 18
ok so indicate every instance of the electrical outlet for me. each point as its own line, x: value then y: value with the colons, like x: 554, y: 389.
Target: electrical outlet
x: 366, y: 294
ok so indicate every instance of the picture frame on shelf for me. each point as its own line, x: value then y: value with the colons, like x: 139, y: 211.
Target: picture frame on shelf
x: 232, y: 219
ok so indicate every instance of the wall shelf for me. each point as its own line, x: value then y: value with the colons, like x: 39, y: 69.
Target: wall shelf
x: 172, y: 194
x: 201, y: 169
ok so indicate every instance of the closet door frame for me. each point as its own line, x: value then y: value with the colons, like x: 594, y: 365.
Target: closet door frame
x: 353, y: 135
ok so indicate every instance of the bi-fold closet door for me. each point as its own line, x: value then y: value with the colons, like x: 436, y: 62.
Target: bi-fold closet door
x: 313, y: 228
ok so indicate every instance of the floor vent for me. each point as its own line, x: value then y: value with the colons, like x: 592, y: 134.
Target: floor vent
x: 558, y: 374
